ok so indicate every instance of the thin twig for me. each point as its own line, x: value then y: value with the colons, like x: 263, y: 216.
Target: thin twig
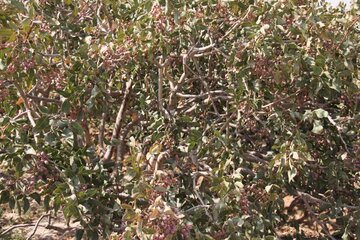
x: 199, y: 197
x: 196, y: 207
x: 282, y: 99
x: 27, y: 108
x: 118, y: 122
x: 37, y: 225
x: 183, y: 95
x: 102, y: 131
x: 160, y: 87
x: 347, y: 32
x: 14, y: 227
x: 311, y: 212
x: 44, y: 99
x: 236, y: 24
x: 250, y: 157
x: 124, y: 133
x: 19, y: 115
x: 339, y: 133
x: 34, y: 87
x: 206, y: 87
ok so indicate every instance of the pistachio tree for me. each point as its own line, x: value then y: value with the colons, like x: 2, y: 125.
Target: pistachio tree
x: 181, y: 119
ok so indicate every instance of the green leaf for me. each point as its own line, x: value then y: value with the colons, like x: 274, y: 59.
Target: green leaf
x: 5, y: 196
x: 79, y: 234
x: 291, y: 174
x: 41, y: 124
x: 92, y: 235
x: 67, y: 2
x: 65, y: 107
x: 11, y: 202
x: 76, y: 128
x: 57, y: 203
x: 95, y: 91
x: 26, y: 204
x: 317, y: 127
x: 50, y: 138
x: 2, y: 65
x: 6, y: 34
x: 349, y: 65
x: 129, y: 215
x: 47, y: 203
x: 168, y: 7
x: 36, y: 197
x: 19, y: 5
x: 321, y: 113
x: 70, y: 210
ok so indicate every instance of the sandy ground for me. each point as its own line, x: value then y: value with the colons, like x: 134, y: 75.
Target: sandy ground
x: 57, y: 229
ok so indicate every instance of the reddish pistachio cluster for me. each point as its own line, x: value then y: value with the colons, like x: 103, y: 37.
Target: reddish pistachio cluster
x: 252, y: 128
x: 7, y: 45
x: 120, y: 56
x: 167, y: 181
x: 240, y: 49
x: 161, y: 20
x: 356, y: 179
x: 43, y: 161
x: 289, y: 20
x: 28, y: 64
x: 316, y: 173
x: 165, y: 227
x: 259, y: 192
x: 219, y: 235
x: 11, y: 68
x: 185, y: 231
x: 263, y: 67
x: 244, y: 203
x: 53, y: 77
x: 85, y: 11
x: 31, y: 181
x: 4, y: 92
x: 42, y: 167
x: 39, y: 171
x: 42, y: 24
x: 153, y: 194
x: 223, y: 12
x: 199, y: 13
x: 356, y: 165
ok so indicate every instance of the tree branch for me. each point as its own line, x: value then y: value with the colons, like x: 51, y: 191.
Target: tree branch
x: 37, y: 225
x: 311, y: 212
x: 119, y: 119
x: 44, y: 99
x: 27, y: 107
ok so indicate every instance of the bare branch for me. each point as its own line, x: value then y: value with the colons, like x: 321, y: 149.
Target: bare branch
x: 199, y: 197
x: 203, y: 49
x: 183, y: 95
x: 102, y: 131
x: 252, y: 158
x: 236, y: 24
x: 44, y: 99
x: 311, y: 212
x: 27, y: 107
x: 37, y: 225
x: 118, y: 122
x: 7, y: 231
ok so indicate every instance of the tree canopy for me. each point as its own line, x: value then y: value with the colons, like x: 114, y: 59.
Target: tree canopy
x: 181, y: 119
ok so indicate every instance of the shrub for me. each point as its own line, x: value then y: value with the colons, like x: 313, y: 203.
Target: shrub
x: 181, y: 119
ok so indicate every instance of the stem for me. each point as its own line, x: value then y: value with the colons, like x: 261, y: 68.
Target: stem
x: 37, y: 225
x: 119, y: 119
x: 27, y: 108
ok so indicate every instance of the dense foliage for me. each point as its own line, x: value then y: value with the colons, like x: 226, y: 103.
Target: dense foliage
x: 181, y: 119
